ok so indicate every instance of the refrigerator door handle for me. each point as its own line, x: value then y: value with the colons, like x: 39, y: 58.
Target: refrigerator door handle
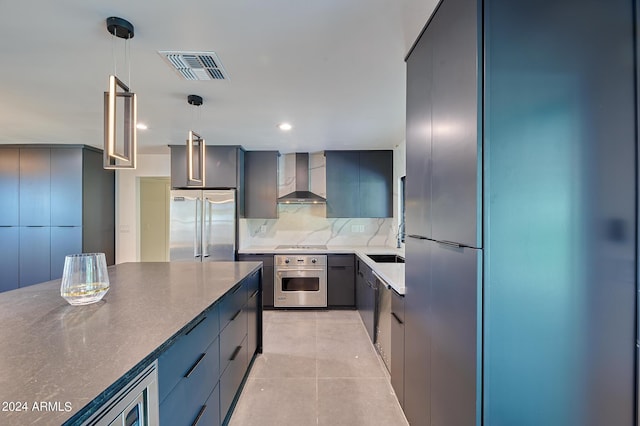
x: 197, y: 243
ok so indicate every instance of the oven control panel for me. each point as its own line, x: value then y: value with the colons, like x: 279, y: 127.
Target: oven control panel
x: 292, y: 260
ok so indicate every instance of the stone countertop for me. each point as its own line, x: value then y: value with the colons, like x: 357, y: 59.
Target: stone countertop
x: 391, y: 273
x: 68, y: 357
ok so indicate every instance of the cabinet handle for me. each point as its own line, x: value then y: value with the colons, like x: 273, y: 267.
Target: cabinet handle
x: 254, y: 293
x: 419, y: 237
x: 338, y: 267
x: 236, y: 315
x: 450, y: 243
x: 193, y: 367
x: 199, y: 416
x: 396, y: 317
x: 196, y: 324
x: 236, y: 289
x: 235, y: 353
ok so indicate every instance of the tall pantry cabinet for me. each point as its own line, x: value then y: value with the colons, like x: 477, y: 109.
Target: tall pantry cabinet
x: 55, y: 200
x: 521, y: 219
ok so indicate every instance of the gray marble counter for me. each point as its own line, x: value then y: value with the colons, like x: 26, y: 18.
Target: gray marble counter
x: 391, y: 273
x: 68, y: 357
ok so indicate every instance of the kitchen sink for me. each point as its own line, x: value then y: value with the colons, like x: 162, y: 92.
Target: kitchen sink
x: 386, y: 258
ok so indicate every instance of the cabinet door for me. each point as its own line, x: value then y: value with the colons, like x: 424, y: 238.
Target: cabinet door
x: 343, y: 185
x: 9, y: 186
x: 66, y: 187
x: 221, y: 167
x: 178, y: 166
x: 9, y: 257
x: 455, y: 185
x: 267, y: 286
x: 35, y: 255
x: 454, y: 338
x: 341, y: 290
x: 35, y: 187
x: 64, y: 241
x: 418, y: 150
x: 376, y: 184
x: 261, y: 184
x: 417, y: 356
x: 252, y: 325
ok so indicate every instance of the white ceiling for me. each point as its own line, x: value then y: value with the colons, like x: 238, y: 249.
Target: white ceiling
x: 333, y: 68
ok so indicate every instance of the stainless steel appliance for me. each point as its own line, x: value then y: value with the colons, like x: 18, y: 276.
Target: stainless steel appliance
x: 202, y: 225
x: 383, y: 328
x: 136, y: 404
x: 300, y: 281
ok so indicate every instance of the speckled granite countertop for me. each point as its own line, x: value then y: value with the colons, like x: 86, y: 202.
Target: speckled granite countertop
x: 70, y: 356
x: 391, y: 273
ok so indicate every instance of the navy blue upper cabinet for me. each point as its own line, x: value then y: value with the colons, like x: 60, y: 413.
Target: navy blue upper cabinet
x: 66, y: 187
x: 223, y: 166
x: 9, y: 187
x: 261, y: 184
x: 418, y: 135
x: 359, y: 183
x: 455, y: 194
x: 35, y: 187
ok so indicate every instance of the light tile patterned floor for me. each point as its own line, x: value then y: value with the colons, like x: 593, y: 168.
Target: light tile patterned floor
x: 318, y: 368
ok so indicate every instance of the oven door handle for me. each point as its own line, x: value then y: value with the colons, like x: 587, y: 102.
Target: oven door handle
x: 281, y: 271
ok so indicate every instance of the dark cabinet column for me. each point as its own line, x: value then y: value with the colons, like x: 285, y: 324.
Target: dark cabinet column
x: 453, y: 330
x: 9, y: 186
x: 35, y: 187
x: 455, y: 191
x: 66, y: 187
x: 397, y: 345
x: 417, y: 356
x: 35, y: 255
x: 418, y: 135
x: 9, y: 256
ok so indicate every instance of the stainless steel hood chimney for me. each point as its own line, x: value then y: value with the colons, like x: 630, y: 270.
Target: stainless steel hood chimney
x: 302, y: 195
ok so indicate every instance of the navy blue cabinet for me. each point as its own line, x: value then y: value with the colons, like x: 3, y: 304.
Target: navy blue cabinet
x: 35, y: 255
x: 359, y: 183
x: 261, y: 184
x: 9, y: 187
x: 35, y: 187
x: 341, y: 291
x: 9, y: 257
x: 60, y: 201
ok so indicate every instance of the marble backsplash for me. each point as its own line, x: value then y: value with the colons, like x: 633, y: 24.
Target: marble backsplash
x: 307, y: 224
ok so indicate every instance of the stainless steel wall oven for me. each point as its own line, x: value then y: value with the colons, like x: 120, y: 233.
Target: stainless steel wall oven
x: 300, y: 281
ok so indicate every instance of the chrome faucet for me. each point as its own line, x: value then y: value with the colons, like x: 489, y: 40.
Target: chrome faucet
x: 399, y: 235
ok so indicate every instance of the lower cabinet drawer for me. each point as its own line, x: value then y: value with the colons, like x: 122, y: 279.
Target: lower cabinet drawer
x: 232, y: 377
x: 231, y: 337
x: 182, y: 355
x: 232, y: 303
x: 184, y: 402
x: 209, y: 414
x: 253, y: 283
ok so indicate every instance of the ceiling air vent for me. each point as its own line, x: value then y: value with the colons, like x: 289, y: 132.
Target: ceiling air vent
x: 196, y: 65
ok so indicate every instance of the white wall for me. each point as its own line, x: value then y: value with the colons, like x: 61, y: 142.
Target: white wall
x: 128, y: 203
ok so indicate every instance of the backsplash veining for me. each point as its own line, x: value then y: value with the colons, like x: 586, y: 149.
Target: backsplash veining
x: 306, y: 223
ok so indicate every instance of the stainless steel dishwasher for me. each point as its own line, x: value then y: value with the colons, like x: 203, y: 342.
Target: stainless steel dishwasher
x: 383, y: 314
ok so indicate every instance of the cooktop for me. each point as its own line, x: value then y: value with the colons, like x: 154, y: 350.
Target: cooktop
x: 302, y: 247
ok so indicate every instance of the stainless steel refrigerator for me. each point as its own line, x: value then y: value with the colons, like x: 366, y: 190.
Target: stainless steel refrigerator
x: 203, y: 225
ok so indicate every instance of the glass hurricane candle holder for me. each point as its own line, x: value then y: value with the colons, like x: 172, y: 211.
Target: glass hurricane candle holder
x: 84, y: 278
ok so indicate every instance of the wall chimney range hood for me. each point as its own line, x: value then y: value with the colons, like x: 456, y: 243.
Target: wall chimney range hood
x: 302, y: 195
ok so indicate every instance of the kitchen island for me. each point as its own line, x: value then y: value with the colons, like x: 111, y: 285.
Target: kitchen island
x: 59, y: 363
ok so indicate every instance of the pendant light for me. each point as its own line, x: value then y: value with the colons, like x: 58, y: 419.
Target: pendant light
x: 195, y: 152
x: 120, y: 132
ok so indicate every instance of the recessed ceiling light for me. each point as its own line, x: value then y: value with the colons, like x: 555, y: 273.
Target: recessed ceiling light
x: 285, y: 126
x: 141, y: 126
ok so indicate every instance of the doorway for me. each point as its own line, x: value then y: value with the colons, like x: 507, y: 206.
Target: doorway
x: 154, y: 219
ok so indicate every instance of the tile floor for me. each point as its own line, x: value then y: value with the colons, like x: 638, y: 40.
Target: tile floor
x: 318, y: 368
